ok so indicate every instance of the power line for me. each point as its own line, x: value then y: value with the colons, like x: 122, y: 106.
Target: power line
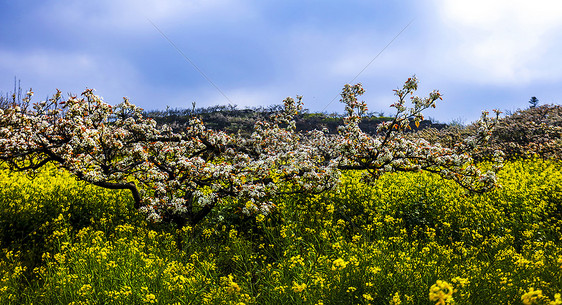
x: 356, y: 76
x: 189, y: 60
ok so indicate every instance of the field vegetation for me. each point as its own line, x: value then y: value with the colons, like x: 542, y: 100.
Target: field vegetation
x: 413, y: 238
x: 101, y: 205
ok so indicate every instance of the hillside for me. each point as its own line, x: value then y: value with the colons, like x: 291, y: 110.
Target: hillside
x: 234, y: 120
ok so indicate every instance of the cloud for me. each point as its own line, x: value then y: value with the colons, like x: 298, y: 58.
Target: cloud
x: 71, y: 72
x: 501, y: 42
x: 130, y: 14
x: 47, y: 64
x: 258, y: 52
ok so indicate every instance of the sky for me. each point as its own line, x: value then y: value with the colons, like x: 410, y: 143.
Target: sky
x: 480, y: 54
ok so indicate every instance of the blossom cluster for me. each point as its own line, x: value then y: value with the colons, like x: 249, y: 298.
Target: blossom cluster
x: 181, y: 176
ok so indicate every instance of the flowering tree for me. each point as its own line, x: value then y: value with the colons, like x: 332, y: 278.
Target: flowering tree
x: 392, y: 150
x: 181, y: 177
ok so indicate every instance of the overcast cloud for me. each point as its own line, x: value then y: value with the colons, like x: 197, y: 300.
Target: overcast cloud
x: 480, y: 54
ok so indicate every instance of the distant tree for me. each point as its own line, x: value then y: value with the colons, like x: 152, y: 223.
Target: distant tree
x: 534, y: 101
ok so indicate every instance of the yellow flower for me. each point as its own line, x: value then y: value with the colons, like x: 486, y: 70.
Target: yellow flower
x: 280, y: 288
x: 187, y: 229
x: 441, y: 292
x: 298, y: 287
x: 231, y: 286
x: 296, y: 260
x: 462, y: 281
x: 396, y: 299
x: 150, y: 298
x: 85, y: 290
x: 339, y: 264
x: 126, y: 290
x: 207, y: 232
x: 532, y: 296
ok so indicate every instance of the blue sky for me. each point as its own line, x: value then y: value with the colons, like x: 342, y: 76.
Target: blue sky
x: 480, y: 54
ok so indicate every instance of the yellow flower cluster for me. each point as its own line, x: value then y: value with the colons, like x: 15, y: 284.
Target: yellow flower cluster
x: 339, y: 264
x: 533, y: 296
x: 298, y: 287
x: 442, y: 292
x: 64, y: 242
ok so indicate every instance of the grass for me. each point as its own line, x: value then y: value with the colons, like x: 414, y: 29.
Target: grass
x: 408, y: 239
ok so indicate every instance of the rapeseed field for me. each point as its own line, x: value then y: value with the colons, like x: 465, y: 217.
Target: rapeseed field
x: 410, y: 238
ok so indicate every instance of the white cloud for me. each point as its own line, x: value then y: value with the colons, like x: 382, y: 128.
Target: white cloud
x: 46, y: 64
x: 501, y: 42
x: 71, y: 72
x: 504, y: 14
x: 130, y: 15
x: 455, y: 46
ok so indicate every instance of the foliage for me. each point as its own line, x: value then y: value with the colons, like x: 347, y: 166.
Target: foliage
x: 534, y: 101
x: 410, y: 238
x: 537, y: 130
x: 181, y: 177
x: 525, y: 133
x: 233, y: 120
